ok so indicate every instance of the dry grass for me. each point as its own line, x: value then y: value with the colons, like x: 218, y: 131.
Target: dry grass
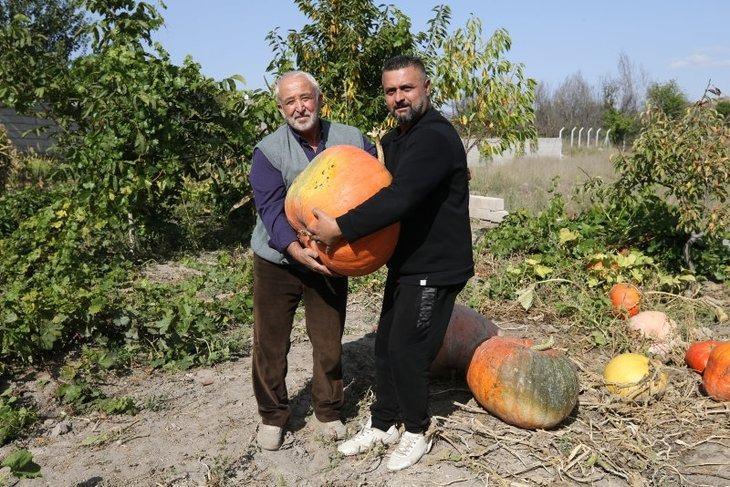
x: 679, y: 438
x: 524, y: 183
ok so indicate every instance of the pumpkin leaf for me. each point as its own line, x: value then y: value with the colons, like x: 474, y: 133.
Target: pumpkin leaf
x: 637, y: 275
x: 599, y: 338
x: 567, y: 235
x: 542, y: 270
x: 21, y: 464
x: 526, y: 296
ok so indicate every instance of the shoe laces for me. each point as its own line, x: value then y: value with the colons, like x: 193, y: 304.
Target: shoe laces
x: 406, y: 444
x: 366, y: 433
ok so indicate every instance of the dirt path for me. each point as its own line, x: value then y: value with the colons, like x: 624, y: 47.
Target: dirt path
x: 198, y: 428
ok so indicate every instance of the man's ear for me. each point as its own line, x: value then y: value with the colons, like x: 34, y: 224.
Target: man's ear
x: 427, y: 86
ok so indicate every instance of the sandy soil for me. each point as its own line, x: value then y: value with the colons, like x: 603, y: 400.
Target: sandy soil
x: 199, y: 428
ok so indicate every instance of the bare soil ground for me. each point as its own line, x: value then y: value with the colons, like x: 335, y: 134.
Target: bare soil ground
x: 199, y: 427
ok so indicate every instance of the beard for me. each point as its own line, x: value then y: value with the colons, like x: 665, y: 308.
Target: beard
x: 304, y: 124
x: 412, y: 112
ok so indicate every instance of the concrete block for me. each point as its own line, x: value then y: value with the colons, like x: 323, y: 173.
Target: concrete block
x: 488, y: 215
x: 497, y: 216
x: 485, y: 203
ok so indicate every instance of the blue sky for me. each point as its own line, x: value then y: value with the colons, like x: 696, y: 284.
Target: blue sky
x: 672, y: 39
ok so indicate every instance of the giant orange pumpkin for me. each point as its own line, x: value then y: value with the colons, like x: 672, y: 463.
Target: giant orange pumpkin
x: 466, y: 330
x: 337, y: 180
x: 625, y: 299
x: 523, y: 386
x: 698, y: 353
x: 716, y: 377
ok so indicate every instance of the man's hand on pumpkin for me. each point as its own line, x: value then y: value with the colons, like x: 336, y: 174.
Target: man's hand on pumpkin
x: 324, y: 228
x: 307, y: 257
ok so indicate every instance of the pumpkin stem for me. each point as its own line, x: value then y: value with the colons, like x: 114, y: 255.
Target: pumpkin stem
x: 546, y: 345
x: 377, y: 134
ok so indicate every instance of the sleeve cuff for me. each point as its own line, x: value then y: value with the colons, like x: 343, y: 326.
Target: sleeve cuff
x: 346, y: 227
x: 283, y: 243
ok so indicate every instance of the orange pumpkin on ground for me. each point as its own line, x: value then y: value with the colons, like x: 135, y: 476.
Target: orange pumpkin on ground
x: 337, y: 180
x: 716, y: 377
x: 698, y: 353
x: 523, y: 385
x: 625, y: 299
x: 466, y: 330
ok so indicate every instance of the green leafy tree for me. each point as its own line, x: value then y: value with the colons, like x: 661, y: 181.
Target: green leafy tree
x: 37, y: 40
x: 487, y: 96
x: 60, y: 23
x: 667, y: 97
x: 723, y: 108
x: 623, y: 126
x: 133, y: 129
x: 7, y: 154
x: 345, y: 43
x: 687, y: 162
x: 133, y: 124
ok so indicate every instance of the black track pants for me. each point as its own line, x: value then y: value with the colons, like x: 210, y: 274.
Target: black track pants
x: 412, y: 326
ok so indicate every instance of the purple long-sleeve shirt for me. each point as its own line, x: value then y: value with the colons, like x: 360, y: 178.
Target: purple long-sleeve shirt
x: 269, y: 191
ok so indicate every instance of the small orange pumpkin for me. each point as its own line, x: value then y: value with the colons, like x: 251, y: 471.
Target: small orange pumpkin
x: 524, y: 386
x: 625, y: 299
x: 716, y: 377
x: 336, y: 181
x: 466, y: 330
x: 698, y: 353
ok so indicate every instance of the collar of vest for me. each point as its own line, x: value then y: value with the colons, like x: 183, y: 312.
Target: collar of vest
x: 324, y: 129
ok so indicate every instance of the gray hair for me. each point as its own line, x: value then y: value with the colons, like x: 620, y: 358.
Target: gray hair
x: 291, y: 74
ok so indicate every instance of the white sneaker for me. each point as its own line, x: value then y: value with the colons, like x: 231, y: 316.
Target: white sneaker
x: 411, y: 448
x: 270, y: 437
x: 368, y: 438
x: 331, y: 429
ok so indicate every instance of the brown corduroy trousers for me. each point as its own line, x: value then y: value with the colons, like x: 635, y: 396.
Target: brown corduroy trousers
x: 277, y: 291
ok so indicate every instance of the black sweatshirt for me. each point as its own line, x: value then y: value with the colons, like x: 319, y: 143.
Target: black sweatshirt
x: 429, y: 195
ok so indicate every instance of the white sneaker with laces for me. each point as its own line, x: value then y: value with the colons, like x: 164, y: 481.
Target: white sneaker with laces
x: 368, y: 438
x: 411, y: 448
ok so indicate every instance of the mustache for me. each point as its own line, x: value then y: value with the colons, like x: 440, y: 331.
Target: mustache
x: 402, y: 105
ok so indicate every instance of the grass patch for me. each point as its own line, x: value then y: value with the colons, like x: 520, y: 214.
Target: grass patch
x: 526, y: 183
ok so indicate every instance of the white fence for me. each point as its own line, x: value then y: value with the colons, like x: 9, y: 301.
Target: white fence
x: 546, y: 147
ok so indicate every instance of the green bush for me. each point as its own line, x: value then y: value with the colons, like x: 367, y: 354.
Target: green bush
x: 13, y: 417
x: 146, y: 149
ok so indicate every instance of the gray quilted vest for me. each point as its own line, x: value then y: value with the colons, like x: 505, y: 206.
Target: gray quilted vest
x: 285, y: 153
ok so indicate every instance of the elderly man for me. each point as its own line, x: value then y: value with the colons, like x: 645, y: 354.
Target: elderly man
x: 285, y: 272
x: 432, y: 261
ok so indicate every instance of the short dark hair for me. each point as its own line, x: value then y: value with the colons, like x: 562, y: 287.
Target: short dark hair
x: 400, y: 62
